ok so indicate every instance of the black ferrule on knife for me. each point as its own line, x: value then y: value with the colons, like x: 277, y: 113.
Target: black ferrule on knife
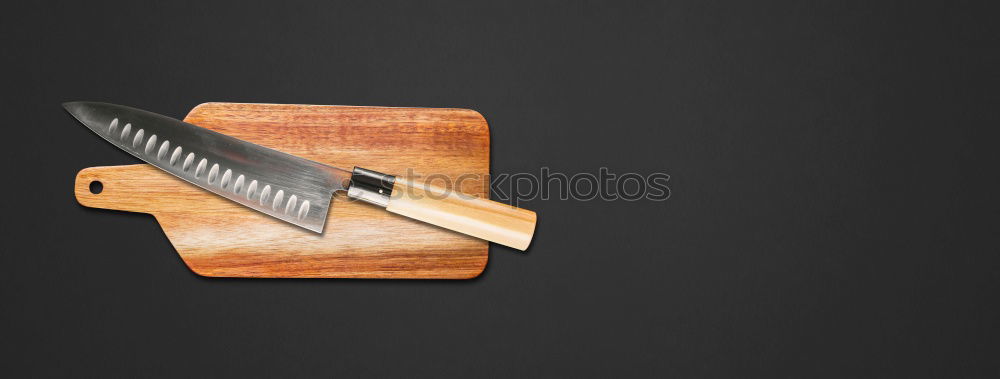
x: 371, y: 186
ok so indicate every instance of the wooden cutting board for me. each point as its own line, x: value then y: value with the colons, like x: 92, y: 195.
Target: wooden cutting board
x: 219, y: 238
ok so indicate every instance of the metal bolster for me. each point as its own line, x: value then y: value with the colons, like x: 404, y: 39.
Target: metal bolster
x: 371, y: 186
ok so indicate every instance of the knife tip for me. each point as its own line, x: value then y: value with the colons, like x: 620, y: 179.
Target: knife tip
x: 78, y: 108
x: 71, y: 105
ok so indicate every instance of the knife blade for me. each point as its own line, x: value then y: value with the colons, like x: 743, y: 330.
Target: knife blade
x: 291, y: 188
x: 281, y: 185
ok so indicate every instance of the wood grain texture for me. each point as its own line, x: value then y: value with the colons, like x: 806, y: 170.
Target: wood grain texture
x: 216, y: 237
x: 489, y: 220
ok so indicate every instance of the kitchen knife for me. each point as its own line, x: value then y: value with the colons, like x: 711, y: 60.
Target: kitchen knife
x: 290, y: 188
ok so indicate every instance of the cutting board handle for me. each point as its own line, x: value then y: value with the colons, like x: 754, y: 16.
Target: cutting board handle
x: 467, y: 214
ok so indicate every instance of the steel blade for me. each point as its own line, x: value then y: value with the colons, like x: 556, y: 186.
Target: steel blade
x: 281, y: 185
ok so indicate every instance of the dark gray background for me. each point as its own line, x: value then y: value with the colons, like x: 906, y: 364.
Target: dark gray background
x: 834, y: 178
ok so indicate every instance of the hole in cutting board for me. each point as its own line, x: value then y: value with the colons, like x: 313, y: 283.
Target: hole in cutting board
x: 96, y: 187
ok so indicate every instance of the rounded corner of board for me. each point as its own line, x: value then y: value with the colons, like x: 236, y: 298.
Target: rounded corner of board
x: 476, y: 121
x: 198, y: 272
x: 201, y: 107
x: 481, y: 269
x: 474, y: 114
x: 476, y: 274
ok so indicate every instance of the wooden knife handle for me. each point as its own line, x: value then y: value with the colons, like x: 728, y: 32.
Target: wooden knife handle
x: 467, y: 214
x: 463, y: 213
